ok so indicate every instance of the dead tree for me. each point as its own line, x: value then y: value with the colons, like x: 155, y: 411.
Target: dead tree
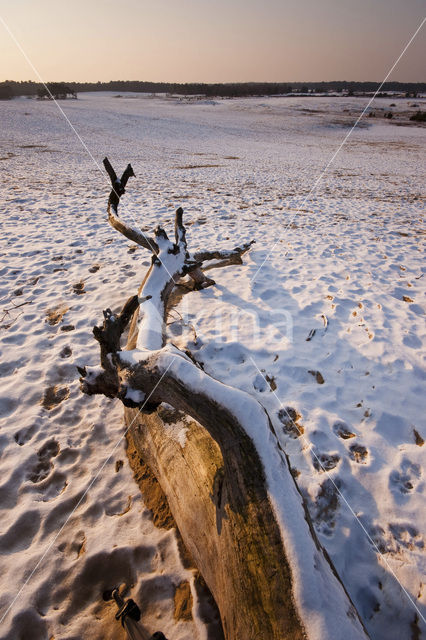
x: 227, y: 481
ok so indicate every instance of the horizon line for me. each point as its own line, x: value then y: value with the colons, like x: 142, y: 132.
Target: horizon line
x: 228, y: 82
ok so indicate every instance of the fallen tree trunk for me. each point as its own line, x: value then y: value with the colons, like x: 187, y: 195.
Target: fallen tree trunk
x: 214, y: 452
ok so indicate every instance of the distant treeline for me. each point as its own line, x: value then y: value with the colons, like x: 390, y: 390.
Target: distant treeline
x: 10, y: 88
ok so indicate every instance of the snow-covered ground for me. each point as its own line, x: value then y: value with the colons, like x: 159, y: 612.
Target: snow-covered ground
x: 325, y: 316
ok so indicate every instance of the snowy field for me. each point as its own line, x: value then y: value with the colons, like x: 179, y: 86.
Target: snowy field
x: 325, y: 316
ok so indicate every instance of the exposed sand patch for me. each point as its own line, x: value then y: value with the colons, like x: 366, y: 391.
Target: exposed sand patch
x: 183, y: 602
x: 55, y: 314
x: 152, y: 494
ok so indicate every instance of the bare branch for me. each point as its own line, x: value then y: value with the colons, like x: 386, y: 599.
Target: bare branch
x: 110, y: 171
x: 180, y: 231
x: 161, y: 234
x: 127, y: 173
x: 224, y: 254
x: 200, y: 279
x: 105, y: 379
x: 113, y: 326
x: 118, y: 188
x: 192, y: 266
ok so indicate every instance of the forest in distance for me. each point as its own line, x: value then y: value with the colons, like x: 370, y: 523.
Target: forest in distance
x: 11, y: 88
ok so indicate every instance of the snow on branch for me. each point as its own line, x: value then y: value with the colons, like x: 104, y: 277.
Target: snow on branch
x: 224, y: 254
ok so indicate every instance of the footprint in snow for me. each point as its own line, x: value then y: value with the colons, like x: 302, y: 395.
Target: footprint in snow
x: 407, y: 536
x: 358, y: 453
x: 20, y: 534
x: 42, y: 468
x: 325, y: 507
x: 78, y: 288
x: 53, y: 486
x: 341, y: 430
x: 396, y: 538
x: 53, y: 396
x: 259, y: 383
x: 23, y: 435
x: 262, y: 382
x: 290, y: 418
x: 405, y: 479
x: 324, y: 461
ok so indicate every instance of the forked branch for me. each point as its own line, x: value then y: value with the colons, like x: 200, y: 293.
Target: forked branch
x: 193, y: 263
x: 118, y: 189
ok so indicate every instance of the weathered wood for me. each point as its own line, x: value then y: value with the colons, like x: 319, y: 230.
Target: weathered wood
x: 225, y: 519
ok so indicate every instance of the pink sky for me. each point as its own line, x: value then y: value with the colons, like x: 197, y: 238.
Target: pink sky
x: 213, y: 40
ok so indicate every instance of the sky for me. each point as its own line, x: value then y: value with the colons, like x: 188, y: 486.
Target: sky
x: 212, y: 40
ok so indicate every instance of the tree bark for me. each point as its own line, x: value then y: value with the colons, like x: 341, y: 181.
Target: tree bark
x: 224, y: 518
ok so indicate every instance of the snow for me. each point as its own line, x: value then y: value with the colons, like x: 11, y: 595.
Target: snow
x: 351, y: 251
x: 150, y: 328
x: 135, y: 394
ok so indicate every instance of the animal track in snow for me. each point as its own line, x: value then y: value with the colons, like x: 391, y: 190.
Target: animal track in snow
x: 76, y: 547
x: 342, y: 430
x: 325, y: 506
x: 53, y: 396
x: 358, y: 453
x: 406, y: 536
x: 405, y: 479
x: 21, y: 533
x: 289, y: 418
x: 53, y: 486
x: 397, y: 538
x: 44, y: 465
x: 259, y: 383
x: 78, y: 288
x: 23, y: 435
x: 325, y: 461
